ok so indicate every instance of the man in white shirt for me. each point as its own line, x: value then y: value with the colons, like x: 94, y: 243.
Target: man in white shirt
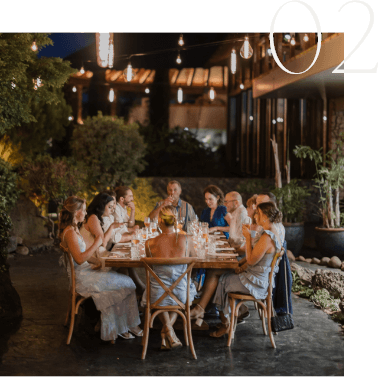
x: 124, y: 200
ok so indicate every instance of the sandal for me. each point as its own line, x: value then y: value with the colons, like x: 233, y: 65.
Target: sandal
x: 198, y: 316
x: 171, y: 337
x: 137, y: 331
x: 126, y: 335
x: 223, y: 329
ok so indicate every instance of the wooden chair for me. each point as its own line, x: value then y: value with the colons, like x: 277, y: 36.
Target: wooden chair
x: 264, y: 307
x: 75, y: 299
x: 182, y: 309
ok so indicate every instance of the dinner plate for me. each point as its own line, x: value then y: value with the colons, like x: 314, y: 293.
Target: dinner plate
x: 223, y: 255
x: 124, y: 244
x: 224, y: 248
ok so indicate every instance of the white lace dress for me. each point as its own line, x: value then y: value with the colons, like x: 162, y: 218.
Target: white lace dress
x: 113, y: 294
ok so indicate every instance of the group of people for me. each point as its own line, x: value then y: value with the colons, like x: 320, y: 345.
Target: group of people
x: 88, y: 234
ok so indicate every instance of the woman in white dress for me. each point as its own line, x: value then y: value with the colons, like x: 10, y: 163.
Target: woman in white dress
x: 113, y: 293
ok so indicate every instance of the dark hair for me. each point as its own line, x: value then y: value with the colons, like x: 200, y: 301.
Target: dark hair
x: 110, y: 193
x: 216, y: 192
x: 174, y: 182
x: 271, y: 211
x: 70, y: 207
x: 121, y: 191
x: 97, y: 206
x: 270, y: 195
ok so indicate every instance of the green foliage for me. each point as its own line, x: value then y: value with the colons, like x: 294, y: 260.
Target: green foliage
x: 293, y: 200
x: 145, y: 198
x: 252, y: 186
x: 45, y: 178
x: 112, y: 151
x: 51, y: 122
x: 323, y: 299
x: 19, y: 66
x: 329, y: 179
x: 8, y: 185
x: 178, y: 153
x: 5, y: 232
x: 297, y: 287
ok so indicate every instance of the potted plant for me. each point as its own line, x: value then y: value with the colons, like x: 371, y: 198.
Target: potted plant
x: 329, y: 179
x: 292, y: 205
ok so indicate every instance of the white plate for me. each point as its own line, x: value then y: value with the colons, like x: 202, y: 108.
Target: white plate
x: 224, y: 248
x: 124, y: 244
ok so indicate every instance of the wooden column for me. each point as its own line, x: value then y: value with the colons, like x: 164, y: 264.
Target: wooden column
x: 79, y: 104
x: 258, y: 136
x: 266, y: 58
x: 286, y: 144
x: 268, y: 127
x: 302, y: 134
x: 256, y: 56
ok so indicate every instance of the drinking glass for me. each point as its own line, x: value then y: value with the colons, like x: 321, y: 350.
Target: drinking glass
x: 135, y: 239
x: 134, y: 251
x: 153, y: 227
x: 144, y: 234
x: 201, y: 248
x: 180, y: 223
x: 147, y: 222
x: 247, y: 222
x: 211, y: 246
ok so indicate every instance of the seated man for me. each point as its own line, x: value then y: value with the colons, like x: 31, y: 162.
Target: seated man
x: 183, y: 208
x: 125, y: 199
x: 233, y: 201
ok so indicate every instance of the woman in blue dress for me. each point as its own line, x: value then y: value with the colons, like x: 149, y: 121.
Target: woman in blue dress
x: 113, y: 293
x: 216, y: 214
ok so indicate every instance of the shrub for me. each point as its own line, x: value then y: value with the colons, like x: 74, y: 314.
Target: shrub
x: 111, y: 151
x: 5, y: 229
x: 252, y: 186
x: 8, y: 185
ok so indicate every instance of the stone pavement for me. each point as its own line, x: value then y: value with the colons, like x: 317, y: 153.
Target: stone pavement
x: 38, y: 345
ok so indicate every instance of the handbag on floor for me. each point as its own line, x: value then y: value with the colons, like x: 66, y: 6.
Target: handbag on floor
x: 282, y: 321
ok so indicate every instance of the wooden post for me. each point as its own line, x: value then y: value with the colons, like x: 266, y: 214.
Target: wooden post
x: 79, y: 104
x: 278, y: 181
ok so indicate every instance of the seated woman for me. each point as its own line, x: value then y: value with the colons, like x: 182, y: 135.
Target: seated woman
x: 113, y: 293
x: 169, y: 244
x: 94, y: 226
x: 216, y: 215
x: 252, y: 277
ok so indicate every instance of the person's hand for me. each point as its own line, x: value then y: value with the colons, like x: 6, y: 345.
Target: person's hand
x: 131, y: 205
x: 168, y: 201
x: 246, y: 232
x: 116, y: 225
x: 257, y: 228
x: 214, y: 229
x: 239, y: 270
x: 97, y: 265
x: 135, y: 229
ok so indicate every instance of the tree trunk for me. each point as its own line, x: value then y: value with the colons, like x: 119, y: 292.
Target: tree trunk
x: 278, y: 179
x: 337, y: 207
x: 330, y: 204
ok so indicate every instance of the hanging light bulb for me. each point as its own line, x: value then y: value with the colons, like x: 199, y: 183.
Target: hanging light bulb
x: 181, y: 41
x: 111, y: 95
x: 37, y: 83
x: 287, y: 36
x: 34, y: 46
x: 129, y: 72
x: 180, y: 95
x: 178, y: 59
x: 241, y: 86
x: 293, y: 41
x: 147, y: 90
x: 269, y: 52
x: 306, y: 38
x: 233, y: 61
x: 105, y: 49
x: 74, y: 89
x: 212, y: 94
x: 82, y: 70
x: 246, y: 50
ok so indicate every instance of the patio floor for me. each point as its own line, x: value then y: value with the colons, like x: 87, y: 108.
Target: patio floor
x: 38, y: 345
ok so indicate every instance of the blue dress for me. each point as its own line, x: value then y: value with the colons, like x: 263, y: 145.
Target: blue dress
x: 217, y: 218
x: 113, y: 295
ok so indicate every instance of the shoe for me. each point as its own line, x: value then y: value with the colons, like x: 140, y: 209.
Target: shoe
x: 242, y: 317
x: 126, y: 335
x: 223, y: 329
x: 198, y: 315
x: 137, y: 331
x: 171, y: 337
x: 165, y: 345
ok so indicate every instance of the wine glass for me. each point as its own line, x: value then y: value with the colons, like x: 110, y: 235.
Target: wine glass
x: 147, y: 222
x: 247, y: 222
x: 144, y: 234
x: 135, y: 239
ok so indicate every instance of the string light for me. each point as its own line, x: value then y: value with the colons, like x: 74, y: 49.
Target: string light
x: 74, y: 89
x: 287, y: 36
x: 269, y: 51
x: 233, y: 61
x: 212, y: 94
x: 34, y: 46
x: 70, y: 118
x: 111, y: 95
x: 180, y: 95
x: 129, y: 72
x: 306, y: 38
x: 293, y: 40
x: 181, y: 41
x: 37, y: 83
x: 82, y: 70
x: 246, y: 50
x: 105, y: 49
x: 178, y: 59
x: 241, y: 86
x: 147, y: 90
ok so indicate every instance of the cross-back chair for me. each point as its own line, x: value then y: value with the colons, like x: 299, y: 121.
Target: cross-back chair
x: 75, y: 299
x: 264, y: 307
x: 182, y: 309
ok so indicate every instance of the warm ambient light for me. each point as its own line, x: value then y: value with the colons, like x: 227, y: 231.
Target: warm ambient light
x: 269, y: 52
x: 287, y: 36
x: 180, y: 95
x: 74, y: 89
x: 34, y: 46
x: 233, y: 61
x: 147, y: 90
x: 105, y: 49
x: 242, y: 86
x: 212, y: 94
x: 178, y: 59
x: 70, y: 118
x: 129, y: 72
x: 111, y: 95
x: 82, y: 70
x: 293, y: 41
x: 37, y: 83
x: 306, y: 38
x: 181, y: 41
x: 246, y: 50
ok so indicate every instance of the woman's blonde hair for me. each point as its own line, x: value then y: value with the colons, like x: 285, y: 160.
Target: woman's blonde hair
x: 169, y: 216
x: 68, y: 211
x: 252, y: 200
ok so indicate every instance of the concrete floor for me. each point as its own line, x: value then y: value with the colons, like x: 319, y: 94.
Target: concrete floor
x: 37, y: 346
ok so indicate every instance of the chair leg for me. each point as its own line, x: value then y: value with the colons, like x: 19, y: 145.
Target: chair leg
x: 269, y: 325
x: 185, y: 329
x: 262, y: 317
x: 72, y: 318
x: 146, y: 330
x: 188, y: 320
x: 68, y: 312
x: 232, y: 323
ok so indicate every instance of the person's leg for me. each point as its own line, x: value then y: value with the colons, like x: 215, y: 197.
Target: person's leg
x: 224, y: 327
x: 169, y: 338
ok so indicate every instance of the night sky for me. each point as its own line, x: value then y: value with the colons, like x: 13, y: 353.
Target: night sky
x: 65, y: 44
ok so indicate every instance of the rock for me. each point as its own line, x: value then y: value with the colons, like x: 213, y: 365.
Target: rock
x: 11, y: 256
x: 335, y: 262
x: 305, y: 274
x: 324, y: 261
x: 316, y: 261
x: 38, y: 245
x: 12, y: 244
x: 342, y: 266
x: 23, y: 250
x: 19, y: 240
x: 331, y: 280
x: 308, y: 260
x: 290, y: 255
x: 300, y: 258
